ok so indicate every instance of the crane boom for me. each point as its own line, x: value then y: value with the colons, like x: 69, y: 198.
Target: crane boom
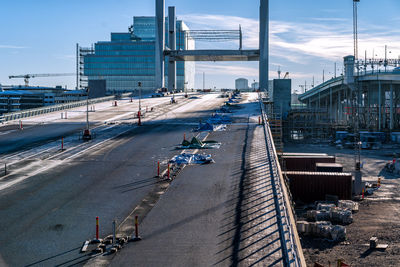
x: 26, y: 77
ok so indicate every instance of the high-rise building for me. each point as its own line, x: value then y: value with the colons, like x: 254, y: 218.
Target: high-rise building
x: 129, y: 58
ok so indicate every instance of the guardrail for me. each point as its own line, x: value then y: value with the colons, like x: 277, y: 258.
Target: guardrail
x: 43, y: 110
x: 285, y: 217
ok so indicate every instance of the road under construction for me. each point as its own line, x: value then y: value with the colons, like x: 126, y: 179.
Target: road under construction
x: 233, y: 211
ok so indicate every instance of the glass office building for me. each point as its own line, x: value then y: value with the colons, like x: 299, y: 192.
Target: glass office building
x: 129, y: 58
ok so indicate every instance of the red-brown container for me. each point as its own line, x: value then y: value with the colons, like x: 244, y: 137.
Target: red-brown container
x: 312, y: 186
x: 304, y: 163
x: 286, y: 154
x: 328, y: 167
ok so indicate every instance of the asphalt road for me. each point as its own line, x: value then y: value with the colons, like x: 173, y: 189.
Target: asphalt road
x: 219, y: 214
x: 46, y: 217
x: 37, y: 131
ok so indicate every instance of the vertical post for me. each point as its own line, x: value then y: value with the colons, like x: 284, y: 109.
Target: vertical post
x: 87, y: 109
x: 335, y: 69
x: 160, y: 43
x: 385, y: 63
x: 62, y: 143
x: 77, y: 66
x: 158, y: 169
x: 391, y: 107
x: 204, y: 80
x: 172, y: 46
x: 240, y: 37
x: 140, y: 104
x: 97, y: 228
x: 184, y: 136
x: 379, y: 105
x: 136, y: 227
x: 113, y: 227
x: 168, y: 171
x: 264, y: 44
x: 137, y: 237
x: 330, y: 104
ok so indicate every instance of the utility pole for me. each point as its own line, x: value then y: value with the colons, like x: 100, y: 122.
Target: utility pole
x: 204, y: 80
x: 385, y: 63
x: 186, y: 83
x: 335, y: 69
x: 140, y: 104
x: 240, y: 37
x: 86, y: 133
x: 77, y: 66
x: 356, y: 120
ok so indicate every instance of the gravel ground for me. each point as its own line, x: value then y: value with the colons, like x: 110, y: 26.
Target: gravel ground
x: 378, y: 213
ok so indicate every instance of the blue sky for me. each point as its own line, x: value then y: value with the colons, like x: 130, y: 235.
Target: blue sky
x: 306, y: 36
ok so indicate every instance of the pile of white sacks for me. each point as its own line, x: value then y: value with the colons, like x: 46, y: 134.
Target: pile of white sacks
x: 323, y: 217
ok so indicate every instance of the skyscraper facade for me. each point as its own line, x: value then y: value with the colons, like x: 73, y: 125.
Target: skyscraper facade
x: 129, y: 58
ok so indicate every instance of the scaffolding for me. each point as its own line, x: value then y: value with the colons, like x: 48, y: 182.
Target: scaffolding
x: 82, y: 81
x: 308, y: 124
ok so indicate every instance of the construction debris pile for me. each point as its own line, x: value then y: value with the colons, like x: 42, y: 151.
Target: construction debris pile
x: 321, y: 221
x: 187, y: 158
x: 207, y: 127
x: 196, y: 143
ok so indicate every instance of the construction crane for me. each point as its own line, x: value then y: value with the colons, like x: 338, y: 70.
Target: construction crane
x: 26, y: 77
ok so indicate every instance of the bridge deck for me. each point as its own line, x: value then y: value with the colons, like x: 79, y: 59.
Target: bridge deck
x: 221, y: 214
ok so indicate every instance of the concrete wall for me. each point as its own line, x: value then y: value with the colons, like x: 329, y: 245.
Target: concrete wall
x: 282, y: 96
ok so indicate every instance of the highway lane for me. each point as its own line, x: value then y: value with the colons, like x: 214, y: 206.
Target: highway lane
x: 44, y: 128
x: 46, y: 217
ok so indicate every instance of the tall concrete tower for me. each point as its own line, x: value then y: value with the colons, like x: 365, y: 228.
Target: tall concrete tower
x: 160, y: 43
x: 264, y: 44
x: 172, y: 46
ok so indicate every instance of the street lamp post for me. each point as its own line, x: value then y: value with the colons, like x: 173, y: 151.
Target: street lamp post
x: 140, y: 104
x: 186, y: 83
x: 86, y: 133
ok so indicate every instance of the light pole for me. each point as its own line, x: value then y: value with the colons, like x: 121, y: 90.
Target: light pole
x: 86, y: 133
x: 140, y: 104
x: 186, y: 83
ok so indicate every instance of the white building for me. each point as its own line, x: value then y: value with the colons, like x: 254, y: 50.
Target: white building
x: 241, y: 84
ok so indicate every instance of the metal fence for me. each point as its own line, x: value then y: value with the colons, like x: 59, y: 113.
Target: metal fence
x: 292, y: 255
x: 43, y: 110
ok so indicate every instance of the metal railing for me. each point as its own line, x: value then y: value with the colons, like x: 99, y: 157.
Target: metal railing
x: 48, y: 109
x: 285, y: 215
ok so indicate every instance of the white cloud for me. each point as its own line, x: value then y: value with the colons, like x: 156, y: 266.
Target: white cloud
x: 223, y: 69
x: 302, y: 48
x: 12, y: 46
x: 327, y: 38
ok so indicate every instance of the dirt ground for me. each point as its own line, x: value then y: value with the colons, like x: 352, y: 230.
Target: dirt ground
x: 379, y: 213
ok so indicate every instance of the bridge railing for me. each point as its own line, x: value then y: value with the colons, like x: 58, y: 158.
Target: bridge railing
x: 48, y: 109
x: 292, y: 252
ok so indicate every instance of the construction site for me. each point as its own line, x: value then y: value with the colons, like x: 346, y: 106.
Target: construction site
x: 338, y: 152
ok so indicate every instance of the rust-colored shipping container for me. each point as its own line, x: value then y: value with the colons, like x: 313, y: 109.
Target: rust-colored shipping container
x: 286, y: 154
x: 312, y: 186
x: 328, y: 167
x: 304, y: 163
